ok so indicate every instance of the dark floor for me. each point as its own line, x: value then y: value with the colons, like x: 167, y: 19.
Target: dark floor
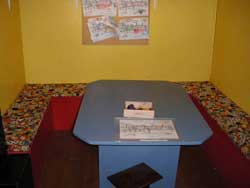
x: 74, y: 164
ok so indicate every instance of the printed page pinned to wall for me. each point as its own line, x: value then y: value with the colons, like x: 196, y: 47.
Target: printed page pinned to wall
x: 133, y: 8
x: 133, y: 28
x: 99, y: 8
x: 115, y: 21
x: 101, y: 28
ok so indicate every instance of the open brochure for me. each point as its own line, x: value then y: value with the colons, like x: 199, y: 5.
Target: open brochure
x: 147, y: 129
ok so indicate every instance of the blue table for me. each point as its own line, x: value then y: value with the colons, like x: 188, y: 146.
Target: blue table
x: 104, y: 100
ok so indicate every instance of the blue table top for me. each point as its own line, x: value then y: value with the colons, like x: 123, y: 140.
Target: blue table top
x: 104, y: 101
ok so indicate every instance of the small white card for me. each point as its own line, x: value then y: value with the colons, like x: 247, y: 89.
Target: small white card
x: 138, y: 105
x: 138, y: 109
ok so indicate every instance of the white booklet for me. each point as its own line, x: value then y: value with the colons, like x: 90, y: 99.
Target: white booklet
x: 147, y: 129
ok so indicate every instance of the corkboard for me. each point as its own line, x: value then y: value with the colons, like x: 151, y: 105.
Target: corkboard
x: 112, y: 41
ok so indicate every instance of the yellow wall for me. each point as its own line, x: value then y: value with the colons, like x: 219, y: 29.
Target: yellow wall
x: 231, y: 65
x: 180, y: 46
x: 11, y: 57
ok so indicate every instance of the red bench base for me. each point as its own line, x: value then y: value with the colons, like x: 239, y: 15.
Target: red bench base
x: 231, y: 164
x: 59, y: 116
x: 221, y: 152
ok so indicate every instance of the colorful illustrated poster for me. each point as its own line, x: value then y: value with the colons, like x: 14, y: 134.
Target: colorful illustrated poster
x: 101, y: 28
x: 133, y: 8
x: 133, y: 28
x: 99, y: 8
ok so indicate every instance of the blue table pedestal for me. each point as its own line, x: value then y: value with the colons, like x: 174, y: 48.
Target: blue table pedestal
x: 163, y: 159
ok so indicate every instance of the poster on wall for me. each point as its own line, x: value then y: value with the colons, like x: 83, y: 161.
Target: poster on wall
x: 101, y: 28
x: 133, y: 8
x: 99, y: 7
x: 133, y: 28
x: 115, y: 21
